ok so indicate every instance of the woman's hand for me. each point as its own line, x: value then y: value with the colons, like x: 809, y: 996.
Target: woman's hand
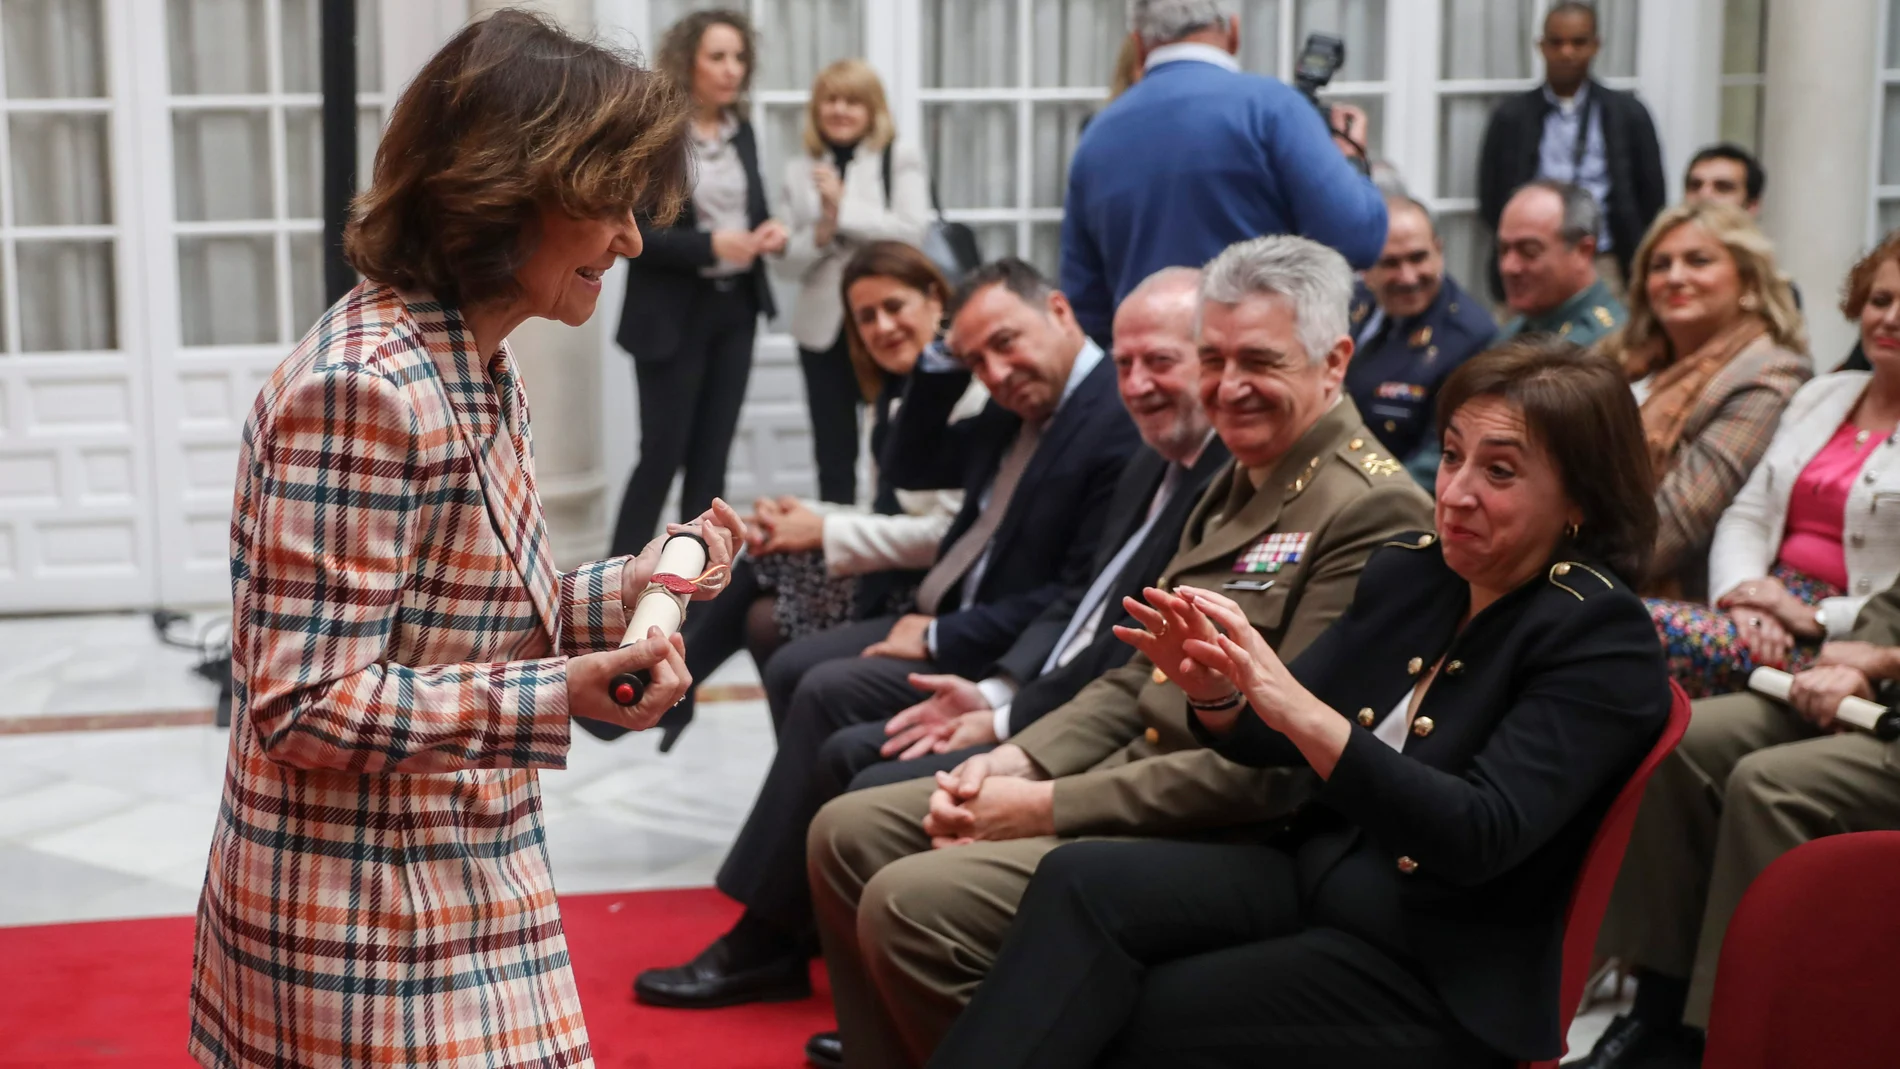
x: 795, y: 530
x: 736, y: 247
x: 1768, y: 595
x: 1244, y: 659
x: 1767, y: 640
x: 830, y: 188
x: 1167, y: 623
x: 771, y: 236
x: 589, y: 674
x: 720, y: 527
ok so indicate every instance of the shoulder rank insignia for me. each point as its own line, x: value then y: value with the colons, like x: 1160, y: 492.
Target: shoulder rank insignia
x: 1374, y: 464
x: 1273, y: 552
x: 1565, y: 575
x: 1603, y: 316
x: 1359, y: 312
x: 1420, y: 337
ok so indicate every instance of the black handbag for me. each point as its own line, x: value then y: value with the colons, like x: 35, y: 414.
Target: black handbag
x: 951, y: 246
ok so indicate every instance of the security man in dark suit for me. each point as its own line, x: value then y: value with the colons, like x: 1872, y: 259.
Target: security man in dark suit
x: 1412, y: 325
x: 1473, y: 715
x: 1039, y: 467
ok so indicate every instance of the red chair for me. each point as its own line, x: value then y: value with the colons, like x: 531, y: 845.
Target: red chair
x: 1810, y: 967
x: 1591, y: 896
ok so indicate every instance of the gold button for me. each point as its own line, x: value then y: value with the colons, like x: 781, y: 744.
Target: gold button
x: 1391, y: 425
x: 1561, y: 569
x: 1355, y: 443
x: 1159, y: 676
x: 1152, y: 736
x: 1365, y: 718
x: 1454, y: 668
x: 1407, y: 866
x: 1414, y: 666
x: 1422, y: 726
x: 1426, y: 540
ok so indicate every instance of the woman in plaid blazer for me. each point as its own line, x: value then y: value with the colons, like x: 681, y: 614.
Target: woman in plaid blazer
x: 405, y: 656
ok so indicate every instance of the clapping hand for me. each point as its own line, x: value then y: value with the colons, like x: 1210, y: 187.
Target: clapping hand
x: 771, y: 236
x: 1168, y: 622
x: 830, y: 187
x: 1243, y: 659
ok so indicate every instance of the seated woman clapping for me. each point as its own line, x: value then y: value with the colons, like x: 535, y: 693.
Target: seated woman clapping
x: 1815, y: 531
x: 1472, y: 716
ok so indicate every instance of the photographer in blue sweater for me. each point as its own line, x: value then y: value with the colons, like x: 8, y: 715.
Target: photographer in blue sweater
x: 1196, y: 156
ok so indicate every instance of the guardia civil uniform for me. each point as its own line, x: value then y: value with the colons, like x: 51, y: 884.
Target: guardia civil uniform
x: 1399, y: 362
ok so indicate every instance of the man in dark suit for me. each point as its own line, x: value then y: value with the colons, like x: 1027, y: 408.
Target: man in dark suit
x: 1574, y: 129
x: 1039, y: 467
x: 1073, y: 642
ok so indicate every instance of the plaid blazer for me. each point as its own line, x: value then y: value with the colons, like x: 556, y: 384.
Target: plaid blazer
x: 1726, y: 432
x: 378, y: 890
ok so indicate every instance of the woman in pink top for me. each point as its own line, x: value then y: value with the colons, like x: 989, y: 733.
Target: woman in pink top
x: 1816, y: 530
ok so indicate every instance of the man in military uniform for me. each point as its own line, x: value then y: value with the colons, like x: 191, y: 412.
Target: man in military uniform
x: 1752, y: 779
x: 1547, y: 258
x: 1412, y: 324
x: 1285, y: 529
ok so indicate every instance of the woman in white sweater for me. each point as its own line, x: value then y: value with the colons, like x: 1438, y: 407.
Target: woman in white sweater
x: 854, y: 184
x: 1816, y: 529
x: 813, y: 566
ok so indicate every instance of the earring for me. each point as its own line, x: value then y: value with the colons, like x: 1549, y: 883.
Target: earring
x: 1749, y: 302
x: 1570, y: 530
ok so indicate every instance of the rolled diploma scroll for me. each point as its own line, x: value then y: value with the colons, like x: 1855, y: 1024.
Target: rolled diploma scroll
x: 1854, y: 711
x: 683, y: 555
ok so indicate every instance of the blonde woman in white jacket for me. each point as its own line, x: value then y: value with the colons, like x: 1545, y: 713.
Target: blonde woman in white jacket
x: 813, y: 566
x: 1816, y: 529
x: 854, y: 184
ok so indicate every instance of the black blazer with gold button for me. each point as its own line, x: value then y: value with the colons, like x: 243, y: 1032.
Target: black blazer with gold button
x: 1546, y: 703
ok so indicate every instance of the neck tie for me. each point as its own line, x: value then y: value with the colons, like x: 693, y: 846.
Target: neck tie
x: 1087, y: 619
x: 969, y: 546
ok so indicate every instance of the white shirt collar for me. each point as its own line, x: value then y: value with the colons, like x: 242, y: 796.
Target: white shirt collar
x: 1085, y: 361
x: 1191, y: 50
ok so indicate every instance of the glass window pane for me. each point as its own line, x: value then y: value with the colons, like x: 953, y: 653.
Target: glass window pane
x: 1890, y: 138
x: 1741, y: 115
x: 1260, y: 36
x: 1616, y: 25
x: 799, y: 38
x: 1488, y: 38
x: 1889, y: 216
x: 303, y: 163
x: 227, y: 290
x: 1055, y: 129
x: 217, y: 46
x: 221, y: 165
x: 307, y: 302
x: 969, y: 43
x: 54, y: 48
x: 1359, y: 23
x: 1893, y: 34
x: 6, y: 299
x: 1075, y: 42
x: 61, y: 170
x: 1468, y: 251
x: 1743, y: 25
x: 369, y: 134
x: 781, y: 134
x: 1462, y: 120
x: 995, y: 240
x: 67, y: 296
x: 972, y: 148
x: 1045, y: 248
x: 301, y: 27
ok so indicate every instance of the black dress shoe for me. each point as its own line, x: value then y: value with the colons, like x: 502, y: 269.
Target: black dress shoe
x: 713, y: 979
x: 825, y: 1050
x: 1633, y: 1043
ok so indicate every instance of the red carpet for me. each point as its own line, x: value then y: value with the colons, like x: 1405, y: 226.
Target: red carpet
x: 113, y: 993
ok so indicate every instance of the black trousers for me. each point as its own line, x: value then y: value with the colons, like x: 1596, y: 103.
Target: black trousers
x: 1193, y: 955
x: 689, y: 410
x: 832, y: 397
x: 821, y: 684
x: 852, y: 759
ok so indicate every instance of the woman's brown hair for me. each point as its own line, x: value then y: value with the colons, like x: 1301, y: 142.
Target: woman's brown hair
x: 901, y: 263
x: 1860, y: 278
x: 1578, y: 408
x: 511, y: 115
x: 679, y: 48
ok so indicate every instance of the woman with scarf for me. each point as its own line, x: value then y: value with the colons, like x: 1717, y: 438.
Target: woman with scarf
x: 1714, y: 347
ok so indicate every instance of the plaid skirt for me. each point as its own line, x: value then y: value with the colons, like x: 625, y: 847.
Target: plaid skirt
x: 1705, y: 653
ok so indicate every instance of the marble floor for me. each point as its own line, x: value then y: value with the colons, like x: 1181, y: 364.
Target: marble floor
x: 110, y: 771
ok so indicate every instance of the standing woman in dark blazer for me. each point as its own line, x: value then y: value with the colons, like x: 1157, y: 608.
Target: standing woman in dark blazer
x: 695, y: 295
x: 1471, y: 717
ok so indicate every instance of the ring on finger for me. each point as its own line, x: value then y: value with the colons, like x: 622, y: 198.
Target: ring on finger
x: 1754, y: 621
